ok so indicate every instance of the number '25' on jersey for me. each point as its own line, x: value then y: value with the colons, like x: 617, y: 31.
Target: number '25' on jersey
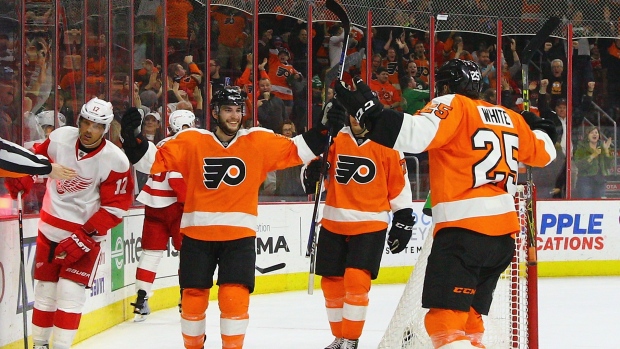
x: 474, y: 149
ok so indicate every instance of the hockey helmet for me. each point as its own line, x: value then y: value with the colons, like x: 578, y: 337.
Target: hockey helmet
x: 46, y: 118
x: 99, y: 111
x: 228, y: 96
x: 461, y: 77
x: 180, y: 118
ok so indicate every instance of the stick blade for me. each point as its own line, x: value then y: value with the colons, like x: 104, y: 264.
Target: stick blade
x: 543, y: 33
x: 339, y: 11
x: 271, y: 268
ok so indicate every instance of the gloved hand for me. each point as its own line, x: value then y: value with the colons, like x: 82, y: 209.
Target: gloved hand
x: 402, y: 228
x: 130, y: 127
x: 71, y: 249
x: 312, y: 174
x: 15, y: 185
x: 134, y: 142
x: 537, y: 123
x: 361, y: 103
x: 334, y: 116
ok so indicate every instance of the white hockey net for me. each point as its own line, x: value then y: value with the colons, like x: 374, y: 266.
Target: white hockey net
x: 507, y: 322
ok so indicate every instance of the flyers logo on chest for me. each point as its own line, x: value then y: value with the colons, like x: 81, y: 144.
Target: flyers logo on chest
x: 223, y: 170
x: 361, y: 170
x: 283, y: 72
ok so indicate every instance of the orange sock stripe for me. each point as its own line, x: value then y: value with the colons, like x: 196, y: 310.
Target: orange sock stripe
x: 333, y: 288
x: 195, y: 301
x: 356, y: 286
x: 445, y: 326
x: 352, y: 329
x: 232, y: 342
x: 333, y: 291
x: 443, y: 320
x: 474, y: 322
x: 193, y: 342
x: 234, y: 301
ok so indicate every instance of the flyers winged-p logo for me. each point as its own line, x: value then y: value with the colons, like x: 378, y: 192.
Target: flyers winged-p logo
x: 73, y: 185
x: 361, y: 170
x: 283, y: 72
x: 228, y: 170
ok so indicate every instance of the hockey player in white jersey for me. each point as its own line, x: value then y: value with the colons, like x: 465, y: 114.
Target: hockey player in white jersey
x: 163, y: 196
x: 76, y: 215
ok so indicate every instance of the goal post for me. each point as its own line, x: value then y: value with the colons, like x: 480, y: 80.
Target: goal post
x: 512, y: 320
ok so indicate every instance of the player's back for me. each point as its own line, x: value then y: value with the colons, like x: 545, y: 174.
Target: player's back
x: 473, y: 161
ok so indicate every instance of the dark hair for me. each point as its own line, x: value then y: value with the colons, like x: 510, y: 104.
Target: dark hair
x: 334, y: 29
x: 381, y: 70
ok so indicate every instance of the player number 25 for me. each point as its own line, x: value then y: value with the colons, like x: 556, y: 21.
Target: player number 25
x: 499, y: 157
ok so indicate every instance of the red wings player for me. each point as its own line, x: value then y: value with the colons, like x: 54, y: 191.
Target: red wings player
x: 76, y: 214
x: 163, y: 197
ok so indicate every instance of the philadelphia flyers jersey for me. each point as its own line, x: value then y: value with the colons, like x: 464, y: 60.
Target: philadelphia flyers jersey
x: 278, y: 73
x: 98, y: 197
x: 474, y: 150
x: 393, y: 68
x: 386, y: 92
x: 365, y: 182
x: 163, y: 189
x: 223, y: 182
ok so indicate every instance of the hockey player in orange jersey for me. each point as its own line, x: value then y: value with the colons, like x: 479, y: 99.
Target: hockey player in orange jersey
x: 353, y: 230
x: 223, y: 171
x: 474, y: 149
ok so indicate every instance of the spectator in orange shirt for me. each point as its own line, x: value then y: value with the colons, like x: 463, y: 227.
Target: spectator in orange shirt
x: 187, y: 82
x: 147, y: 76
x: 279, y: 70
x: 177, y: 15
x: 389, y: 96
x: 232, y: 27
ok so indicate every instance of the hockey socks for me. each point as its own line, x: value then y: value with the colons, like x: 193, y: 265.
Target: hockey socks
x: 234, y: 301
x: 193, y: 318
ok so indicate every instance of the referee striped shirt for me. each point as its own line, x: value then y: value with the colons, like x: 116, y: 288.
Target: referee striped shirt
x: 16, y: 161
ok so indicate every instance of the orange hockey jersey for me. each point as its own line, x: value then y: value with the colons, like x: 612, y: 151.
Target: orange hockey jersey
x: 365, y: 182
x: 474, y: 149
x: 223, y: 182
x: 278, y: 73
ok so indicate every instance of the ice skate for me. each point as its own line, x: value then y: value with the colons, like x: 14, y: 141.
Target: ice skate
x: 336, y: 344
x: 141, y: 307
x: 44, y: 346
x: 349, y: 343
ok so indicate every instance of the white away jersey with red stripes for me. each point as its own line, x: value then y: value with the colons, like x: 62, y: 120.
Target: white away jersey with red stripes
x: 163, y: 189
x: 98, y: 196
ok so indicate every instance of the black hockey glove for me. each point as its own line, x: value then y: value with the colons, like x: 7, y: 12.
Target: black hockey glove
x: 537, y: 123
x: 312, y: 174
x: 361, y: 103
x: 402, y: 228
x: 130, y: 127
x: 334, y: 116
x: 134, y: 142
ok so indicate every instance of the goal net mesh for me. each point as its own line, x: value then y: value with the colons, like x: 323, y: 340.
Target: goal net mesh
x: 507, y: 322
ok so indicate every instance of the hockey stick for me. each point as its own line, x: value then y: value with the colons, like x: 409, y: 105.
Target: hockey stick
x: 270, y: 269
x: 22, y: 268
x: 532, y: 259
x: 339, y: 11
x: 528, y: 53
